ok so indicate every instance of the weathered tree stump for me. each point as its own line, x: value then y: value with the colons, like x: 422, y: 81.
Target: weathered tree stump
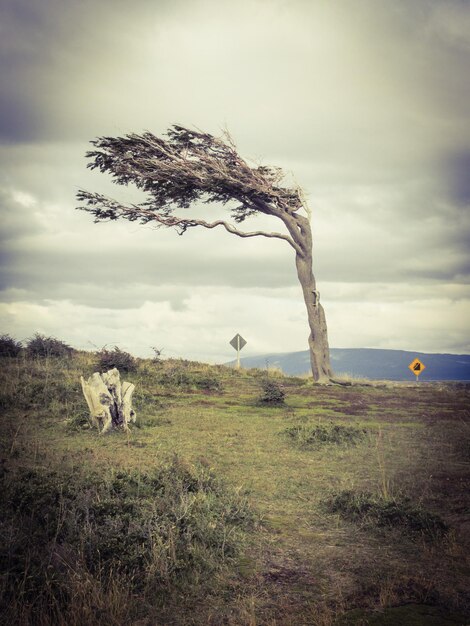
x: 109, y: 400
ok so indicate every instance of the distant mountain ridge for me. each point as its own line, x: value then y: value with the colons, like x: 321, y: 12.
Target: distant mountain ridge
x: 376, y: 364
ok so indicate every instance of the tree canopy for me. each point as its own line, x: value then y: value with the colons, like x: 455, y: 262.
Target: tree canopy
x: 186, y: 167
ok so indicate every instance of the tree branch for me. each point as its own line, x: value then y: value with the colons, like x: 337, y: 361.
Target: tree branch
x: 231, y: 229
x: 104, y: 209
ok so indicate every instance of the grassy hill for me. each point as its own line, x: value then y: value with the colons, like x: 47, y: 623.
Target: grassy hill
x: 371, y: 363
x: 337, y: 506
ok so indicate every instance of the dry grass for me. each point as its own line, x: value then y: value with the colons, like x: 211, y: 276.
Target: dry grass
x: 303, y: 565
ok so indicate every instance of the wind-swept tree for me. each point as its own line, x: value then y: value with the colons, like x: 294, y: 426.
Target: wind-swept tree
x: 188, y: 166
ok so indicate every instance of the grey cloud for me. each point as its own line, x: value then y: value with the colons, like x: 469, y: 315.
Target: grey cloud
x: 16, y: 220
x: 110, y: 295
x: 97, y: 72
x: 457, y: 168
x: 58, y: 59
x: 19, y: 121
x: 88, y: 278
x: 366, y: 102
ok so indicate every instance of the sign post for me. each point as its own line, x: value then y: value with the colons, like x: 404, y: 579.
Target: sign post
x: 238, y: 343
x: 416, y: 367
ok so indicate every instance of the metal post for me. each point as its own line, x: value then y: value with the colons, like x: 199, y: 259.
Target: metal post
x: 238, y: 352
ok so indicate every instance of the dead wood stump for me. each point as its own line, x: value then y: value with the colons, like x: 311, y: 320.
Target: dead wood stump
x: 109, y: 400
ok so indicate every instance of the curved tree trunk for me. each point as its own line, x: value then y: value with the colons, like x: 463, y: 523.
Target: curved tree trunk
x: 301, y: 232
x: 318, y: 339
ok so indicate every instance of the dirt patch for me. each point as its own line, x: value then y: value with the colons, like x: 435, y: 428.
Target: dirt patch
x: 282, y: 575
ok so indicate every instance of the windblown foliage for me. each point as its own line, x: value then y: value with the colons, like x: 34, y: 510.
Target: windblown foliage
x: 186, y: 167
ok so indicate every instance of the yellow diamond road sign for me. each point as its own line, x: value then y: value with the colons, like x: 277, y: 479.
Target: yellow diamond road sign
x: 417, y: 367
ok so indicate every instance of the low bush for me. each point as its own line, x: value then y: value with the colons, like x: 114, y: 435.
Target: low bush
x: 166, y: 530
x: 123, y: 361
x: 207, y: 382
x: 174, y: 376
x: 30, y: 385
x: 376, y: 511
x: 272, y: 392
x: 43, y: 347
x: 181, y: 377
x: 9, y: 347
x: 324, y: 434
x: 78, y: 422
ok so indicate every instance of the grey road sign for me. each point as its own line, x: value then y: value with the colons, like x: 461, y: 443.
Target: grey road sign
x: 238, y: 342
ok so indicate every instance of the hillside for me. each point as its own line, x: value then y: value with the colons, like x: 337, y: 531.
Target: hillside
x: 341, y: 506
x: 370, y: 363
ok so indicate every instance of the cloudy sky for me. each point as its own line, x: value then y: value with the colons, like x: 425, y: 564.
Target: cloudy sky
x: 363, y: 102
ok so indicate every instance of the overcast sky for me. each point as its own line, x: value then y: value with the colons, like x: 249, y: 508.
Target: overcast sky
x: 364, y: 102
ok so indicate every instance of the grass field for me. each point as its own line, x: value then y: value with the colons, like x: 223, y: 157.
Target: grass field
x: 342, y: 505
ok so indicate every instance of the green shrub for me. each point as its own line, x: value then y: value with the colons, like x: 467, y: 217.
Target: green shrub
x: 79, y: 421
x: 32, y: 384
x: 181, y: 377
x: 160, y: 531
x: 272, y: 392
x: 123, y: 361
x: 175, y: 376
x: 207, y: 382
x: 9, y: 346
x: 373, y: 510
x: 324, y: 434
x: 43, y: 347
